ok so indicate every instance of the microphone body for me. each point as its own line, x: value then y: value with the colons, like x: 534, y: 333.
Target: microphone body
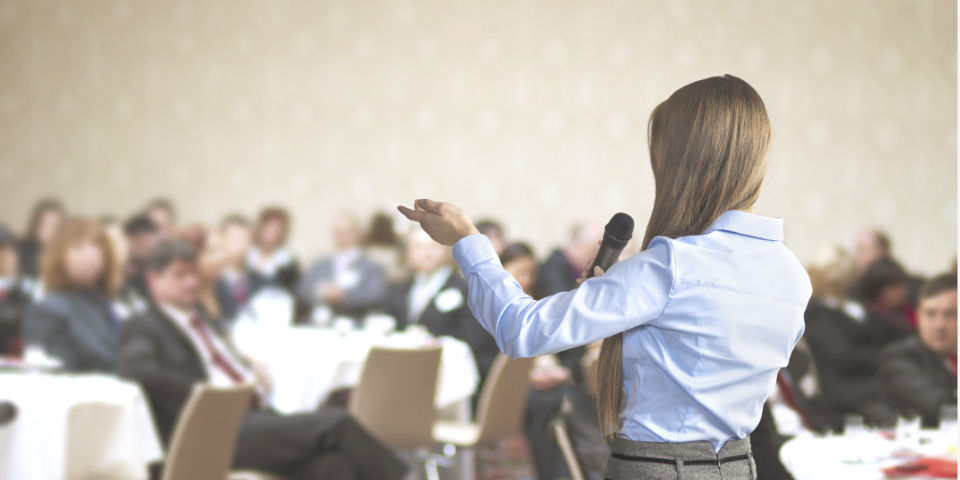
x: 616, y: 235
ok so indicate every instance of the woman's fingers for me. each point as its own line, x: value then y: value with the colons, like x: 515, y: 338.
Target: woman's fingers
x: 429, y: 205
x: 414, y: 215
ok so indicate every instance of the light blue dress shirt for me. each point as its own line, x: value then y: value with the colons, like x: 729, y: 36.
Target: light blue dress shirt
x: 708, y: 320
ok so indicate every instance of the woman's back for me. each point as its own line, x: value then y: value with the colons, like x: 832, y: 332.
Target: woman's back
x: 704, y: 367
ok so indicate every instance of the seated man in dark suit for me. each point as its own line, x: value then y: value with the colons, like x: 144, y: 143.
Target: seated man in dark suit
x: 919, y: 374
x: 437, y: 299
x: 172, y: 346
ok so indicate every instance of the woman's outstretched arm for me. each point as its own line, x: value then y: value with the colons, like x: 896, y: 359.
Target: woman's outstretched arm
x: 633, y: 292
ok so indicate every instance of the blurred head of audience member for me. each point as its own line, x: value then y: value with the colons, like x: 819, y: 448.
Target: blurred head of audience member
x: 937, y: 315
x: 380, y: 232
x: 237, y: 238
x: 517, y: 259
x: 141, y: 234
x: 423, y: 255
x: 384, y: 247
x: 273, y: 227
x: 173, y: 274
x: 831, y: 275
x: 163, y: 214
x: 270, y: 262
x: 45, y: 218
x: 883, y: 286
x: 347, y: 234
x: 80, y: 257
x: 494, y: 231
x: 583, y: 245
x: 872, y: 245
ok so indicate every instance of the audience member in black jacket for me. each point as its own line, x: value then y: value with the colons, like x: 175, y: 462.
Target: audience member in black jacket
x: 846, y: 362
x: 919, y: 374
x: 75, y: 321
x: 165, y: 351
x: 845, y: 342
x: 436, y: 298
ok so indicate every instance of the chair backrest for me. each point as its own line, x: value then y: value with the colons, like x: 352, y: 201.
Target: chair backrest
x: 503, y: 398
x: 206, y: 432
x: 395, y: 397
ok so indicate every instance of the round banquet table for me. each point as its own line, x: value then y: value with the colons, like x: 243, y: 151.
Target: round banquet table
x: 307, y: 363
x: 862, y: 455
x: 75, y: 426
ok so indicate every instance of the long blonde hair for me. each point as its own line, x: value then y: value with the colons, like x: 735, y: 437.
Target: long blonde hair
x: 708, y: 144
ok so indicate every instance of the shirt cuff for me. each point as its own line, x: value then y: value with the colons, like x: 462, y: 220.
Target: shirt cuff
x: 473, y: 250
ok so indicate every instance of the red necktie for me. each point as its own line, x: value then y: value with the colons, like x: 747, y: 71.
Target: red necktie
x: 240, y: 292
x: 218, y: 358
x: 786, y: 390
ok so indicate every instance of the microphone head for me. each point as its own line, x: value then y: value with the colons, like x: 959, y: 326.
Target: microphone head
x: 619, y: 229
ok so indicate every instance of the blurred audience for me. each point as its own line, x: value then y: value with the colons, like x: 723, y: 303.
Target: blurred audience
x: 75, y: 321
x: 347, y: 283
x: 175, y: 345
x: 235, y: 285
x: 45, y: 218
x: 141, y: 234
x: 14, y: 296
x: 872, y: 244
x: 270, y: 261
x: 384, y: 247
x: 436, y: 298
x: 877, y: 344
x: 128, y: 300
x: 843, y: 340
x: 919, y: 374
x: 884, y: 291
x: 163, y: 214
x: 495, y: 232
x: 559, y: 272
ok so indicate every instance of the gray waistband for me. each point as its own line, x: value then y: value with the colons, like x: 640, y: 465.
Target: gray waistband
x: 700, y: 450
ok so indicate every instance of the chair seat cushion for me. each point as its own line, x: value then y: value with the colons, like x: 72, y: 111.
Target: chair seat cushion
x: 457, y: 433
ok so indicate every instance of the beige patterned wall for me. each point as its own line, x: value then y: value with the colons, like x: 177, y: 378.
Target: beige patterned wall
x: 533, y: 111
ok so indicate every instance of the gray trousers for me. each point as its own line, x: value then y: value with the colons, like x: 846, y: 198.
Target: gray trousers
x: 680, y: 461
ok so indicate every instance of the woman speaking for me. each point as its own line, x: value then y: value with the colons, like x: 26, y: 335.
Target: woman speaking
x: 696, y: 325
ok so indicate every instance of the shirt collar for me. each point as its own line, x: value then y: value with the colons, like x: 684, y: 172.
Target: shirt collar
x: 181, y: 317
x: 750, y: 224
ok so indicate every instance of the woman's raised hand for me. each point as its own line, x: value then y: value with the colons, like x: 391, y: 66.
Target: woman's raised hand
x: 444, y: 222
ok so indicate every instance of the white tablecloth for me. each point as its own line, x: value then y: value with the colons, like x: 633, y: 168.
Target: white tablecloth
x: 861, y: 456
x: 307, y: 363
x: 76, y: 427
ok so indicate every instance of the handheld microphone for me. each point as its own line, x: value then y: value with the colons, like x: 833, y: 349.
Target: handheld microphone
x: 616, y: 234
